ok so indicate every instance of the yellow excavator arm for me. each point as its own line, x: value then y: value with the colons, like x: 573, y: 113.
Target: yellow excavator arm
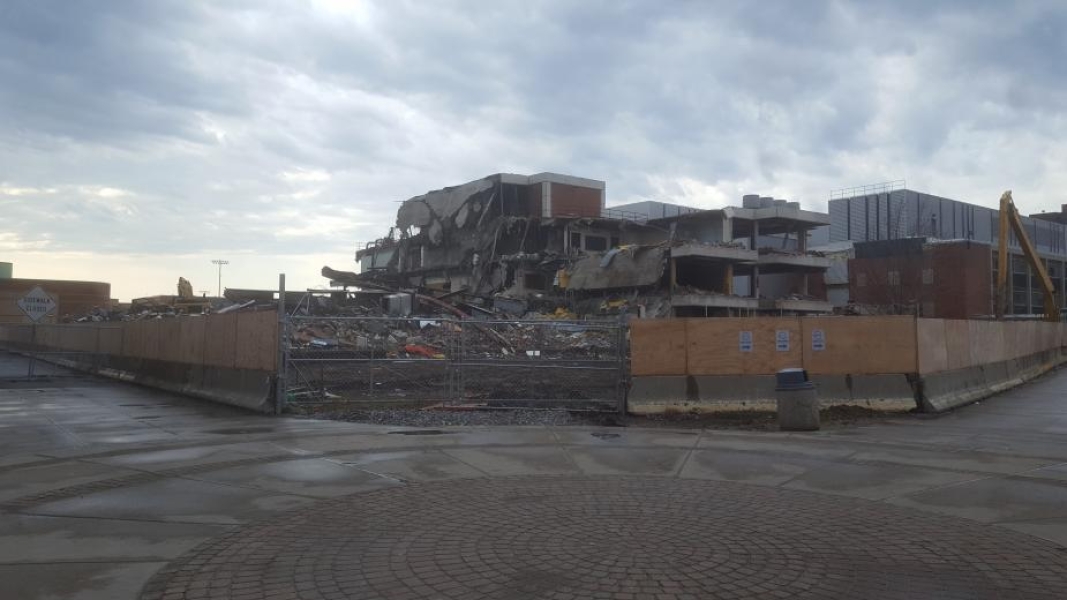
x: 1009, y: 218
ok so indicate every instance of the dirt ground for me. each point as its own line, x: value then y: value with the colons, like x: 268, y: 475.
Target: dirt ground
x: 412, y: 415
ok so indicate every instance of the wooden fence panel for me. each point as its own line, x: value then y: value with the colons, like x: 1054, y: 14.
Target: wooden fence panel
x: 861, y: 345
x: 715, y: 346
x: 958, y: 344
x: 220, y: 344
x: 111, y: 339
x: 257, y: 341
x: 931, y: 345
x: 168, y: 339
x: 191, y: 340
x: 658, y: 347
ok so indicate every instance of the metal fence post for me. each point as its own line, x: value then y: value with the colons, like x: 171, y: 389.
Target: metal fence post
x: 461, y: 358
x: 453, y: 346
x: 283, y: 342
x: 620, y: 350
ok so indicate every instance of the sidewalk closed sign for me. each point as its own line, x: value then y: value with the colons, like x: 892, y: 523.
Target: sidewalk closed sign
x: 37, y: 304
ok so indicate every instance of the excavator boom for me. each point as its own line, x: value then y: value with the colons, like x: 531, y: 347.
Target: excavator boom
x: 1009, y: 218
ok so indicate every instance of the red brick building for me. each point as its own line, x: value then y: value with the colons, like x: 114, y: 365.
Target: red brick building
x: 943, y: 279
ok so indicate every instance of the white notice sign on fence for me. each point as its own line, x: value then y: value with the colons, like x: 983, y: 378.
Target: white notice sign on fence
x: 744, y: 341
x: 781, y: 340
x: 37, y: 304
x: 818, y: 340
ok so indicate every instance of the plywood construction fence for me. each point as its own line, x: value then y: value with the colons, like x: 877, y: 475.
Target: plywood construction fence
x: 831, y: 345
x: 760, y: 346
x: 234, y: 340
x: 859, y: 345
x: 946, y: 345
x: 658, y: 346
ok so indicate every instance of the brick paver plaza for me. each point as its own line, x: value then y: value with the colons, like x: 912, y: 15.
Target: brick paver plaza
x: 617, y: 538
x: 115, y: 492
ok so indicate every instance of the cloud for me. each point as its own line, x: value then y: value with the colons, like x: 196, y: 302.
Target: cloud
x: 13, y: 242
x: 8, y: 190
x: 303, y: 175
x: 142, y: 131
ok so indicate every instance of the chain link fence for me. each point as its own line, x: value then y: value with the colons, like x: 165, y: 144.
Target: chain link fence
x: 542, y: 363
x: 369, y: 359
x: 389, y: 360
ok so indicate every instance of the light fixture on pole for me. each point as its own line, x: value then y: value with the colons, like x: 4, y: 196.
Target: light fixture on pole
x: 220, y: 263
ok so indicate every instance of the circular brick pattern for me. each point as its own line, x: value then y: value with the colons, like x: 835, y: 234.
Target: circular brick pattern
x: 612, y: 538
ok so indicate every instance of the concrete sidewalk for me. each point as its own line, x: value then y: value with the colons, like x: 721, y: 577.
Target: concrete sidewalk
x: 114, y: 491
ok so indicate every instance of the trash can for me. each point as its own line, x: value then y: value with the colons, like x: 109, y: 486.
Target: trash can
x: 798, y: 406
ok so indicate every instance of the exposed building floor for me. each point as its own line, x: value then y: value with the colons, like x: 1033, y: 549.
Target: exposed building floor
x: 114, y: 491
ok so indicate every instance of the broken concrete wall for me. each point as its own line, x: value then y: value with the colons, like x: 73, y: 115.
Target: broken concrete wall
x: 708, y: 231
x: 619, y: 269
x: 445, y: 208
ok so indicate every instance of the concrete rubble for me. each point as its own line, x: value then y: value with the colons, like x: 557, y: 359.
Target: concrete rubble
x: 185, y: 303
x: 440, y: 339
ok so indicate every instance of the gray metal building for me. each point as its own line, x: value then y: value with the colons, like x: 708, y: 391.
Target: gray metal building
x: 882, y: 213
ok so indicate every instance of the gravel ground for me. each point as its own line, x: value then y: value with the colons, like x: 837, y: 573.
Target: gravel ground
x: 443, y: 418
x: 832, y: 418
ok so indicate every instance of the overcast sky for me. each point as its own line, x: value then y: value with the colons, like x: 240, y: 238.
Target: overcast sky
x: 139, y: 140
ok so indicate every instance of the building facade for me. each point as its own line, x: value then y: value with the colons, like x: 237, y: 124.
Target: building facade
x: 899, y: 214
x: 73, y: 298
x: 929, y: 278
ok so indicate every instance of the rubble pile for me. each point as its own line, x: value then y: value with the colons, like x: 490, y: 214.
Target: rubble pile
x: 143, y: 311
x: 184, y: 303
x: 420, y: 338
x: 441, y: 339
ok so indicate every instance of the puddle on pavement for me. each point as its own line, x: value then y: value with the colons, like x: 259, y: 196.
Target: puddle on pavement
x: 420, y: 432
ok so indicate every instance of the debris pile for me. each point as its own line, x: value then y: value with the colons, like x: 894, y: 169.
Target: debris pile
x: 419, y: 338
x: 183, y: 304
x: 441, y: 339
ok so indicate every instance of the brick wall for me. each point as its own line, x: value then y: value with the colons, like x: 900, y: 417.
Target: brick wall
x: 947, y: 281
x: 571, y: 200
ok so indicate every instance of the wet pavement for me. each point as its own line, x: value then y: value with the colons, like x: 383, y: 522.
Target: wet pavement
x: 115, y: 491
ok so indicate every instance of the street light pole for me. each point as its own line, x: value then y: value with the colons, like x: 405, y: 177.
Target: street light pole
x: 220, y: 263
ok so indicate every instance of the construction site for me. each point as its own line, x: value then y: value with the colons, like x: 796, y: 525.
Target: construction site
x: 516, y: 291
x: 639, y: 401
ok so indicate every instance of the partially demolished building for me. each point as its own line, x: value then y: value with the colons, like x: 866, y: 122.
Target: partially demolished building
x: 548, y: 240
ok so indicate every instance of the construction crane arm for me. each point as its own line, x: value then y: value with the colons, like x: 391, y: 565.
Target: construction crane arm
x: 1009, y: 217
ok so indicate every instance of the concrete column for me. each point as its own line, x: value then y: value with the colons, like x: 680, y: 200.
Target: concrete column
x: 728, y: 279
